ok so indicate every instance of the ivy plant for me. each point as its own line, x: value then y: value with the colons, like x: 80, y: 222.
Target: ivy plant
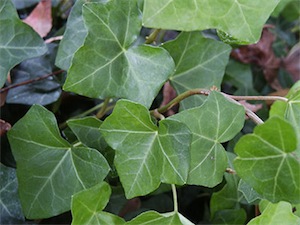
x: 131, y: 147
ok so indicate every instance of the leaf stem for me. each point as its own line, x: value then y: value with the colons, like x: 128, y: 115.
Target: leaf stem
x: 102, y: 111
x: 257, y: 98
x: 253, y: 116
x: 151, y: 38
x: 174, y: 198
x: 175, y: 101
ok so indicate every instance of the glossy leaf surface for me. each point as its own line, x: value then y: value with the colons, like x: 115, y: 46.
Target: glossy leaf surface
x: 87, y: 207
x: 233, y: 17
x: 146, y: 154
x: 10, y: 207
x: 277, y: 214
x: 216, y: 121
x: 18, y: 40
x: 108, y: 63
x: 49, y: 169
x: 267, y: 161
x: 199, y: 63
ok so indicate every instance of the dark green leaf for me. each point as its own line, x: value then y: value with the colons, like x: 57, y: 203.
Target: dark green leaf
x: 248, y: 192
x: 49, y: 169
x: 216, y: 121
x: 87, y: 207
x: 18, y: 40
x: 230, y: 216
x: 276, y: 214
x: 233, y: 17
x: 10, y: 207
x: 152, y: 217
x: 268, y: 163
x: 109, y: 65
x: 200, y: 63
x: 146, y: 154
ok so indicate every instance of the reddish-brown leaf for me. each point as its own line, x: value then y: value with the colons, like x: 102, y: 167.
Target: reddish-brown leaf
x: 168, y: 95
x: 40, y: 18
x: 4, y: 127
x: 292, y: 62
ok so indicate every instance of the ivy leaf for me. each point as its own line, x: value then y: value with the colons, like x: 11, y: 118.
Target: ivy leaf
x: 200, y: 63
x: 87, y: 131
x: 226, y: 201
x: 146, y: 154
x: 290, y: 110
x: 152, y: 217
x: 233, y: 17
x: 49, y: 169
x: 109, y: 64
x: 18, y: 40
x: 216, y: 121
x: 276, y: 214
x: 74, y: 35
x: 230, y: 216
x: 87, y: 206
x: 10, y: 207
x: 267, y: 161
x: 248, y: 192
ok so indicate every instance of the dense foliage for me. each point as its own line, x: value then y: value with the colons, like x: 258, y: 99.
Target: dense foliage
x: 150, y: 112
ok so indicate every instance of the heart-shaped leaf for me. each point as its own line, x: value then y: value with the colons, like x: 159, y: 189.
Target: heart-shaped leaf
x: 199, y: 63
x: 216, y: 121
x: 146, y: 154
x: 49, y: 169
x: 108, y: 63
x: 233, y: 17
x: 267, y: 161
x: 87, y: 207
x: 18, y: 40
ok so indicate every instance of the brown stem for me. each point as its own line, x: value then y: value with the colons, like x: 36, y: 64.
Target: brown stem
x: 31, y: 81
x: 258, y: 98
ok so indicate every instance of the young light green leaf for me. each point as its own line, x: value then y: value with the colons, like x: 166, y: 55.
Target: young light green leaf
x: 108, y: 64
x: 290, y: 110
x: 267, y: 161
x: 233, y: 17
x: 87, y: 131
x: 216, y: 121
x: 228, y: 197
x: 146, y: 154
x: 152, y: 217
x: 10, y: 207
x: 74, y: 35
x: 87, y: 207
x: 200, y: 63
x: 49, y: 169
x: 18, y: 40
x: 276, y: 214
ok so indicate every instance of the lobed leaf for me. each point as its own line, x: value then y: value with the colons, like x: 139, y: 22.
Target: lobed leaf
x: 146, y: 154
x: 267, y: 161
x: 109, y: 64
x: 233, y: 17
x: 276, y: 214
x: 216, y: 121
x: 199, y: 63
x: 49, y: 169
x: 18, y: 40
x: 87, y: 206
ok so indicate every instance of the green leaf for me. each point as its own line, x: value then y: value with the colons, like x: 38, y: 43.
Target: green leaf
x: 152, y: 217
x: 10, y: 207
x: 216, y: 121
x: 233, y: 17
x: 87, y: 131
x: 49, y: 169
x: 276, y: 214
x: 248, y: 192
x: 228, y: 197
x: 200, y: 63
x: 230, y: 216
x: 108, y: 63
x: 290, y: 110
x: 74, y: 35
x: 87, y: 206
x: 268, y: 163
x: 18, y: 40
x: 146, y: 154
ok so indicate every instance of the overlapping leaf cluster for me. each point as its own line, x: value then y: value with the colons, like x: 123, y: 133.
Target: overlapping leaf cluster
x: 105, y: 59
